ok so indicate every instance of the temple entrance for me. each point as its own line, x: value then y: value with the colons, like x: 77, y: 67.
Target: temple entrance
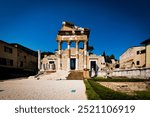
x: 93, y: 71
x: 93, y: 65
x: 72, y: 63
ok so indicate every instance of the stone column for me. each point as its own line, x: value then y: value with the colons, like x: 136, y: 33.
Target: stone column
x: 77, y: 55
x: 39, y: 60
x: 59, y: 55
x: 85, y: 54
x: 68, y: 61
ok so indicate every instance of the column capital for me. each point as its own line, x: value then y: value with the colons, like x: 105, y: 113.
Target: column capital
x: 85, y: 41
x: 68, y: 42
x: 59, y: 41
x: 77, y: 41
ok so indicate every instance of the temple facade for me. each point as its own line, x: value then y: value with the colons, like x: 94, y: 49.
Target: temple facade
x: 73, y: 58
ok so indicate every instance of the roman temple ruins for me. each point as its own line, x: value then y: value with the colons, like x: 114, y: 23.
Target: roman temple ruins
x: 73, y: 58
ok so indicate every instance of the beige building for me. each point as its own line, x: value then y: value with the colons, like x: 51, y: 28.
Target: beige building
x: 26, y: 58
x: 17, y: 59
x: 8, y: 55
x: 147, y: 46
x: 136, y: 57
x: 133, y: 57
x: 135, y: 62
x: 73, y: 58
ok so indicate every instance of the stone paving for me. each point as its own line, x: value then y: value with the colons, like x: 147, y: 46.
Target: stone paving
x: 31, y: 89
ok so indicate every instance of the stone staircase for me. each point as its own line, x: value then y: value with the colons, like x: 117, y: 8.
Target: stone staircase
x: 75, y: 75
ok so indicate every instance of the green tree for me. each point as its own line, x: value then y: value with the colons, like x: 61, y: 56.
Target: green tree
x: 107, y: 57
x: 104, y: 55
x: 90, y: 49
x: 46, y: 53
x: 112, y: 56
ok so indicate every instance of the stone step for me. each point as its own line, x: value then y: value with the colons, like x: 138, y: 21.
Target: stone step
x: 75, y: 75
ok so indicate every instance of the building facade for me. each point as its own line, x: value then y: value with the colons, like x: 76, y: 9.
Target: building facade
x: 73, y: 58
x: 147, y: 48
x: 133, y: 57
x: 16, y: 59
x: 8, y: 55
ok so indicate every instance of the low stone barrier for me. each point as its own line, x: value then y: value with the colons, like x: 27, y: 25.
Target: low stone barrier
x: 133, y: 73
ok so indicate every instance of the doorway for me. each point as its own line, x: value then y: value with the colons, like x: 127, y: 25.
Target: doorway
x: 93, y: 65
x: 72, y: 63
x: 93, y: 69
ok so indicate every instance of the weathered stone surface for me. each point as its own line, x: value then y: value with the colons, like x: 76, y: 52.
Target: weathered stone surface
x: 29, y: 89
x: 133, y: 73
x: 126, y: 87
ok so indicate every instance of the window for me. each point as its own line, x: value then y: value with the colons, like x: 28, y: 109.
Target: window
x: 143, y: 51
x: 9, y: 62
x: 4, y: 61
x: 21, y: 63
x: 137, y: 62
x: 25, y: 58
x: 7, y: 49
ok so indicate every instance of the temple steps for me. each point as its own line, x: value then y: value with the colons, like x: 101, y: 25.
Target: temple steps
x: 75, y: 75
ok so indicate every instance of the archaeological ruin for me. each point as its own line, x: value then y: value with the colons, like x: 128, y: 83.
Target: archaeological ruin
x: 73, y: 58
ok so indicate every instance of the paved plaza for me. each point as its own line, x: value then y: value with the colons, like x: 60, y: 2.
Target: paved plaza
x: 31, y: 89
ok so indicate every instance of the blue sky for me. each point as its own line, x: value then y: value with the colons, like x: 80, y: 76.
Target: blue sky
x: 115, y: 24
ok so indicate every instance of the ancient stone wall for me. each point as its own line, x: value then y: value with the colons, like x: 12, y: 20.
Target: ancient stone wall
x: 133, y: 73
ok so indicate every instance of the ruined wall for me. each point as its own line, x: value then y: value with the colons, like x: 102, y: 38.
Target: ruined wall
x: 133, y: 73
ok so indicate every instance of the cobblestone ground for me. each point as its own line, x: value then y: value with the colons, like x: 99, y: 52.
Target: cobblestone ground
x: 31, y: 89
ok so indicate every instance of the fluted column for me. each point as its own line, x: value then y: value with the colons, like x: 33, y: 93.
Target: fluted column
x: 68, y: 61
x: 59, y: 55
x: 77, y: 55
x: 85, y: 54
